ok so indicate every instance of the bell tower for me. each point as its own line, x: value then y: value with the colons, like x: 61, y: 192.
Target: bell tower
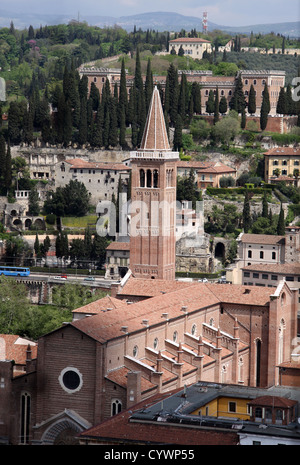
x: 153, y: 197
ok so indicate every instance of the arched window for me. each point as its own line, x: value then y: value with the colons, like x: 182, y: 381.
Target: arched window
x: 155, y: 179
x: 116, y: 407
x: 194, y: 329
x: 142, y: 178
x: 135, y: 351
x: 149, y: 178
x: 155, y: 343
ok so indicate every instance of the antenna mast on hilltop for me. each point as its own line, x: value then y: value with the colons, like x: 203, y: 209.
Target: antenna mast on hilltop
x: 204, y: 22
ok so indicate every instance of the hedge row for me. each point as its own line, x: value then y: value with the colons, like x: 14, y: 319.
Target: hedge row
x: 237, y: 190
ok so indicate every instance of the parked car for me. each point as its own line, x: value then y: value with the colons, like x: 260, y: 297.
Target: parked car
x: 89, y: 278
x: 64, y: 277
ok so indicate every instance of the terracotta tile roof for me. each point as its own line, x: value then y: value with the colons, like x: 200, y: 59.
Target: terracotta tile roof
x: 118, y: 376
x: 208, y: 167
x: 78, y: 163
x: 242, y: 295
x: 282, y: 268
x: 101, y: 305
x: 109, y: 325
x: 151, y: 287
x: 13, y: 347
x: 119, y: 428
x: 283, y: 151
x: 262, y: 239
x: 118, y: 246
x: 273, y: 401
x: 194, y: 40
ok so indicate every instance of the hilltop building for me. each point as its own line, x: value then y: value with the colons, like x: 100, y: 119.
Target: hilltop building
x: 226, y: 84
x: 282, y: 164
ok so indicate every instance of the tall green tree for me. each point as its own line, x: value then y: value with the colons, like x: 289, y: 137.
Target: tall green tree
x: 238, y: 102
x: 265, y: 208
x: 265, y: 108
x: 281, y: 108
x: 210, y: 104
x: 148, y: 85
x: 177, y: 142
x: 216, y: 107
x: 223, y: 107
x: 246, y: 213
x: 172, y: 94
x: 252, y: 101
x: 281, y: 223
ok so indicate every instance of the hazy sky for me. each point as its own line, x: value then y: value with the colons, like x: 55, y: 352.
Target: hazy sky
x: 226, y: 12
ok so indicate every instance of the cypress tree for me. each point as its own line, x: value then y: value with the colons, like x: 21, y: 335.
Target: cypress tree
x: 8, y: 169
x: 196, y: 95
x: 290, y: 105
x: 106, y: 127
x: 173, y: 93
x: 83, y: 129
x: 2, y: 156
x: 139, y: 101
x: 148, y: 85
x: 177, y: 142
x: 122, y: 133
x: 223, y: 107
x: 113, y: 128
x: 46, y: 128
x: 36, y: 245
x: 243, y: 119
x: 67, y: 128
x: 281, y: 223
x: 181, y: 100
x: 95, y: 96
x: 252, y: 101
x: 281, y: 108
x: 216, y: 107
x: 246, y: 213
x: 265, y: 212
x: 210, y: 104
x: 123, y: 97
x: 237, y: 102
x: 96, y: 138
x: 28, y: 125
x: 265, y: 109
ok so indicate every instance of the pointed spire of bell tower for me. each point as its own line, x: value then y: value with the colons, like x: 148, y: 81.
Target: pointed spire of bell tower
x: 155, y: 135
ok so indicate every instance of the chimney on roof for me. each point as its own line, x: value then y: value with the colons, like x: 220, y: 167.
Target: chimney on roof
x: 145, y: 322
x: 124, y: 329
x: 179, y: 353
x: 200, y: 347
x: 165, y: 315
x: 184, y: 309
x: 159, y: 361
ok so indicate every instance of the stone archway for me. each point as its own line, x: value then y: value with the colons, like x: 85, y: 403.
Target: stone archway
x: 63, y: 432
x: 18, y: 224
x: 28, y: 223
x: 220, y: 250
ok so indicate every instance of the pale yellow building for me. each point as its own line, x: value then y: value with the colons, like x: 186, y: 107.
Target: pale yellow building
x: 282, y: 164
x: 192, y: 46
